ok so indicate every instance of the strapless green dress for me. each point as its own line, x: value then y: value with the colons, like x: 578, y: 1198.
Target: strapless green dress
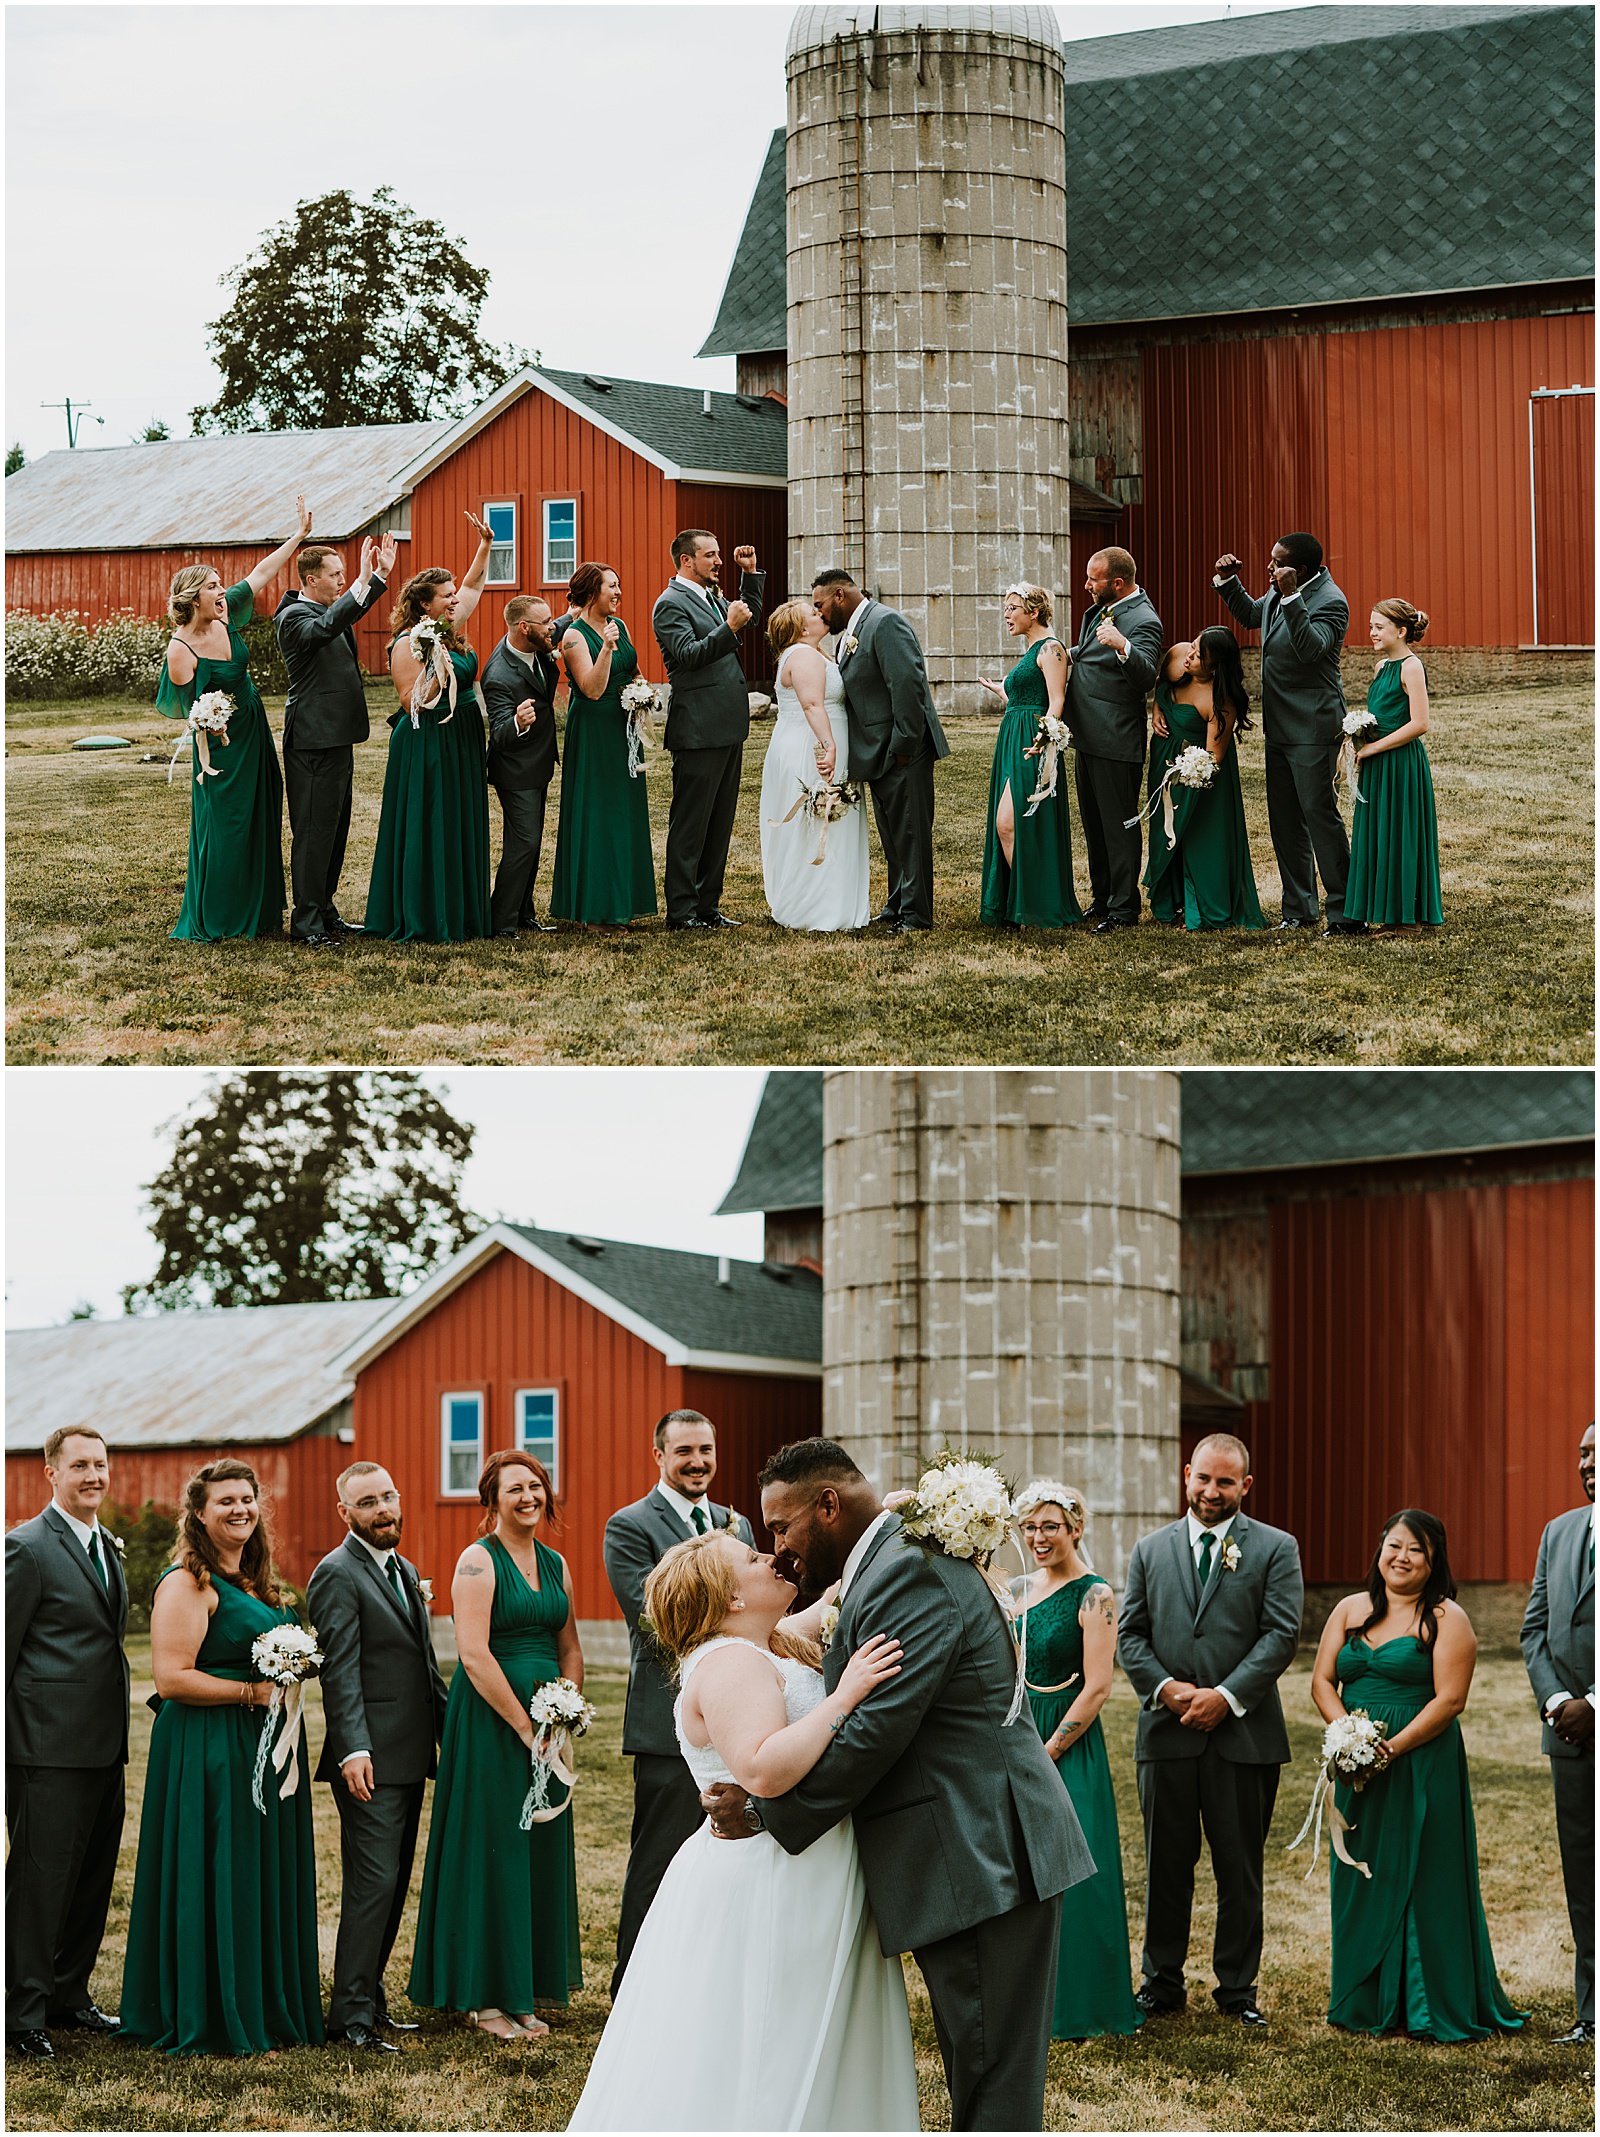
x: 1033, y: 890
x: 1394, y: 838
x: 1410, y: 1944
x: 1205, y: 880
x: 430, y: 869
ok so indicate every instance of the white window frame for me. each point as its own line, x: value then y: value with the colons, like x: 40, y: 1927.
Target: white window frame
x: 519, y: 1419
x: 556, y: 578
x: 499, y: 548
x: 449, y: 1445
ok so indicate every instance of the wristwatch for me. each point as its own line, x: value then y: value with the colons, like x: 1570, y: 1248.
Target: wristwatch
x: 752, y: 1817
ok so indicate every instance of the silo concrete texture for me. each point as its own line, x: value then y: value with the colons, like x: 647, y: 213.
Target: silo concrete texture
x: 927, y: 313
x: 1001, y: 1271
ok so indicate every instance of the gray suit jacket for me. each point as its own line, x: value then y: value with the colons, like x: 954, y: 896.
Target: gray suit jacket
x: 520, y: 758
x: 1240, y: 1635
x: 1558, y: 1630
x: 710, y: 703
x: 886, y: 688
x: 381, y: 1687
x: 1106, y: 696
x: 958, y: 1818
x: 66, y: 1674
x: 1302, y: 696
x: 327, y: 703
x: 637, y: 1538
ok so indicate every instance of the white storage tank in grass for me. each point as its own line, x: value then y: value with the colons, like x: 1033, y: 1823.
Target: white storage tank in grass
x: 1001, y: 1271
x: 927, y: 314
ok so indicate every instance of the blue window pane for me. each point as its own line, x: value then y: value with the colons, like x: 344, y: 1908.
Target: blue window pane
x: 464, y: 1422
x: 537, y: 1411
x: 561, y: 519
x: 502, y: 522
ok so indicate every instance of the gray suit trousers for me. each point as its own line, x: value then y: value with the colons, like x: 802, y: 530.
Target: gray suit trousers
x: 522, y: 815
x: 1108, y: 794
x: 666, y: 1810
x: 377, y: 1846
x: 1234, y: 1803
x: 902, y: 803
x: 65, y: 1825
x: 705, y: 795
x: 1304, y: 820
x: 1574, y: 1786
x: 982, y: 1983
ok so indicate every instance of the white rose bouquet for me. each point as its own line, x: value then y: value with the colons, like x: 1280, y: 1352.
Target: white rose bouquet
x: 427, y: 642
x: 286, y: 1657
x: 1193, y: 767
x: 208, y: 715
x: 1355, y: 1750
x: 641, y: 701
x: 825, y: 805
x: 559, y: 1712
x: 1052, y: 738
x: 961, y: 1506
x: 1360, y: 726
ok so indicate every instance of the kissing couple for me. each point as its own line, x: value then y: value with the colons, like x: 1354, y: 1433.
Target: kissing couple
x: 867, y: 1798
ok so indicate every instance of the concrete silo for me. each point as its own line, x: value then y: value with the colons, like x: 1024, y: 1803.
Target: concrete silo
x: 1001, y: 1257
x: 927, y: 312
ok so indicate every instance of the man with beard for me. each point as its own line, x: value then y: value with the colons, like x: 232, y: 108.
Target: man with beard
x: 383, y: 1700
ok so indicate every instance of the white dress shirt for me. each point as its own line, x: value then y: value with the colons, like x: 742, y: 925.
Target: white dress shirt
x: 856, y: 615
x: 1197, y: 1529
x: 703, y: 591
x: 684, y: 1508
x: 83, y: 1530
x: 1556, y: 1699
x: 852, y: 1564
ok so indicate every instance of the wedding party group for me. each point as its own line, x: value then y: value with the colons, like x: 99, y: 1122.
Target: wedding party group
x: 855, y: 726
x: 863, y: 1743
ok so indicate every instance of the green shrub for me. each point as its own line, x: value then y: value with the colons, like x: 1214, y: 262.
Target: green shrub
x: 61, y: 656
x: 148, y: 1536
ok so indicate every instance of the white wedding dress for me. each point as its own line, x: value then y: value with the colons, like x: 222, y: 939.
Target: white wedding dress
x: 836, y: 894
x: 757, y: 1997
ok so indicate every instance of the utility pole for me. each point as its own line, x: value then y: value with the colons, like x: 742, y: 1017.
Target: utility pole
x: 73, y: 427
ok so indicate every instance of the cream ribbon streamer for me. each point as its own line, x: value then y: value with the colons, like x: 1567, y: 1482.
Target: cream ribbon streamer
x: 201, y: 749
x: 441, y: 667
x: 289, y: 1702
x: 1162, y: 794
x: 552, y: 1754
x: 1044, y: 786
x: 1346, y: 771
x: 1338, y: 1826
x: 825, y: 816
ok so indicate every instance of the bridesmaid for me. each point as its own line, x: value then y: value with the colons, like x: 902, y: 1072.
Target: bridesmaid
x: 1205, y: 880
x: 222, y: 1935
x: 1410, y: 1944
x: 234, y: 883
x: 430, y: 872
x: 1072, y: 1643
x: 604, y: 869
x: 497, y: 1929
x: 1394, y: 841
x: 1027, y: 860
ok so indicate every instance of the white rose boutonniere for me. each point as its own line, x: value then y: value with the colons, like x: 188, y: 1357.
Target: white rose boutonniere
x: 115, y: 1542
x: 425, y: 1588
x: 828, y: 1624
x: 847, y: 643
x: 1230, y: 1555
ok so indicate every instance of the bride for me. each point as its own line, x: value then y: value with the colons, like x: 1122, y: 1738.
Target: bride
x: 812, y: 2030
x: 810, y: 743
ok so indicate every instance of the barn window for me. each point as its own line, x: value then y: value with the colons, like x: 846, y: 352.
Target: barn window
x: 461, y: 1435
x: 501, y: 520
x: 538, y: 1412
x: 560, y: 539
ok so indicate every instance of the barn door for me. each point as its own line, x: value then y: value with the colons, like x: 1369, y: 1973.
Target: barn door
x: 1561, y: 459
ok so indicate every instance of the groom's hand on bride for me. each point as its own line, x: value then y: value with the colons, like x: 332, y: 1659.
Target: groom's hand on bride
x: 724, y: 1804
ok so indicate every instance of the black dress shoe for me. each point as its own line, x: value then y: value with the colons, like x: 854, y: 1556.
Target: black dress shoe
x: 717, y: 920
x: 1094, y: 912
x: 338, y: 925
x: 505, y: 934
x: 1154, y: 2006
x: 1580, y: 2036
x: 1114, y: 920
x: 31, y: 2041
x: 536, y: 926
x: 885, y: 919
x: 1347, y: 927
x: 87, y: 2018
x: 1247, y: 2015
x: 689, y: 923
x: 365, y: 2037
x: 1284, y: 925
x: 315, y: 942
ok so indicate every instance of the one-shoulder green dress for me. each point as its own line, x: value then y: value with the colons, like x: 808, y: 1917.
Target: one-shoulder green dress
x: 1094, y: 1977
x: 498, y: 1921
x: 430, y: 871
x: 234, y: 884
x: 1035, y: 889
x: 1205, y: 879
x: 604, y: 870
x: 1394, y: 838
x: 222, y: 1933
x: 1410, y: 1944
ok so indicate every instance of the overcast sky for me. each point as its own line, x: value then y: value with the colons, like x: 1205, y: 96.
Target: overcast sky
x: 643, y: 1154
x: 148, y: 148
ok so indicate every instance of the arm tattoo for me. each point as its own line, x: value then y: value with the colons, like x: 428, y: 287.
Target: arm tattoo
x: 469, y: 1572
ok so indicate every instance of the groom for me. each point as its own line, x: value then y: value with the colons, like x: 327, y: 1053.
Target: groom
x: 895, y: 738
x: 967, y: 1838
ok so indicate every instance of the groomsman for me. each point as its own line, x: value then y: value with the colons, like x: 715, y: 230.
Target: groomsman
x: 1210, y: 1622
x: 519, y: 690
x: 666, y: 1797
x: 1113, y: 672
x: 1558, y: 1647
x: 708, y: 719
x: 66, y: 1745
x: 383, y: 1702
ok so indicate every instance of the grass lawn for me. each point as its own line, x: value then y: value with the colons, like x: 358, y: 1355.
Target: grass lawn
x: 96, y: 850
x: 1199, y: 2072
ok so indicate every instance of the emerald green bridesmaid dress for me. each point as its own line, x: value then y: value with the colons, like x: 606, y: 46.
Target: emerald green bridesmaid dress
x: 430, y: 871
x: 604, y: 870
x: 1035, y: 889
x: 234, y: 884
x: 1205, y: 880
x: 1394, y: 838
x: 498, y: 1921
x: 1410, y: 1944
x: 222, y: 1933
x: 1094, y: 1979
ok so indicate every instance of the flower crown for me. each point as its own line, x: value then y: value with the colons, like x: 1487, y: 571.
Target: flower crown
x: 1046, y: 1491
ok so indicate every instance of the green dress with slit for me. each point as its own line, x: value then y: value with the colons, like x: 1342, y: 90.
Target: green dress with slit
x: 430, y: 871
x: 1033, y: 890
x: 1410, y: 1944
x: 1094, y: 1976
x: 222, y: 1932
x: 234, y: 882
x: 604, y: 870
x: 498, y: 1922
x: 1204, y: 879
x: 1394, y: 837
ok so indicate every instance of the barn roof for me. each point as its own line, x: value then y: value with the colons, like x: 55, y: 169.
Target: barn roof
x: 1320, y: 155
x: 1259, y: 1120
x: 782, y: 1163
x: 218, y: 1378
x: 211, y: 491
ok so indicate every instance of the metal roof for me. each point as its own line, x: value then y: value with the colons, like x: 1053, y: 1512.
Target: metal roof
x: 782, y: 1163
x: 820, y: 25
x: 217, y: 1378
x: 211, y: 491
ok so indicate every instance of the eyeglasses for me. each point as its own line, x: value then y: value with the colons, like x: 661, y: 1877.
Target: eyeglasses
x: 1043, y: 1528
x: 367, y: 1506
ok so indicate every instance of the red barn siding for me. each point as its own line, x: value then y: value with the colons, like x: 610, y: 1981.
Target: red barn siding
x: 754, y: 1417
x: 1563, y: 477
x: 1549, y: 1391
x: 737, y: 515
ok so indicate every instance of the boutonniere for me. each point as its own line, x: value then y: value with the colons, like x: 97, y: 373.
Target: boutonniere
x: 116, y: 1542
x: 847, y: 643
x: 425, y: 1588
x: 734, y: 1518
x: 828, y: 1624
x: 1230, y: 1555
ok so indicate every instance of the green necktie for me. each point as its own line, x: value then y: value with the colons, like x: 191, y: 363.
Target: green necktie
x: 701, y: 1524
x: 1208, y: 1544
x: 392, y: 1567
x: 98, y: 1557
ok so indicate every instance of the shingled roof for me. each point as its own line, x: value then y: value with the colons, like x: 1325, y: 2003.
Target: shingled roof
x: 1319, y: 155
x: 782, y: 1163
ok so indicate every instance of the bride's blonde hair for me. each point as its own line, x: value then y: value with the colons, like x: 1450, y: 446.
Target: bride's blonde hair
x: 688, y: 1596
x: 786, y: 625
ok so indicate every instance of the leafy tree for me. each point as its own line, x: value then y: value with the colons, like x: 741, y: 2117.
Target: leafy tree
x: 154, y: 432
x: 283, y: 1188
x: 352, y: 312
x: 16, y: 458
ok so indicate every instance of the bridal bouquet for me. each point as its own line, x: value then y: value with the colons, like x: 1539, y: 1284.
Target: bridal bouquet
x: 962, y: 1506
x: 286, y: 1656
x: 1192, y: 767
x: 641, y: 701
x: 208, y: 715
x: 825, y: 804
x: 1360, y: 727
x: 1050, y: 739
x: 427, y: 642
x: 560, y: 1712
x: 1354, y: 1750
